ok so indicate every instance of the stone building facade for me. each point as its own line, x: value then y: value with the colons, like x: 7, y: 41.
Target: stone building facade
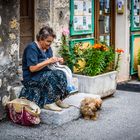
x: 16, y: 28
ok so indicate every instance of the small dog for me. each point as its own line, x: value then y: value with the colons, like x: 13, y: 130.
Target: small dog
x: 89, y: 107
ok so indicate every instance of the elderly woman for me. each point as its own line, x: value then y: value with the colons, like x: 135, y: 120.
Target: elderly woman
x: 46, y: 87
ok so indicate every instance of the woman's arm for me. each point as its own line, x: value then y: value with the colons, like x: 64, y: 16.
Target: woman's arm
x: 43, y: 64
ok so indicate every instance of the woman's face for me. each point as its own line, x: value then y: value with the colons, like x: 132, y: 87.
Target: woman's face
x: 45, y: 44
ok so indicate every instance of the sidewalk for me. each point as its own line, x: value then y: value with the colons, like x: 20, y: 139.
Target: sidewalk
x: 119, y: 120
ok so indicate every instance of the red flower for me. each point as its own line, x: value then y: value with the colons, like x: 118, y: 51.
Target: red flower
x: 97, y: 46
x: 119, y: 51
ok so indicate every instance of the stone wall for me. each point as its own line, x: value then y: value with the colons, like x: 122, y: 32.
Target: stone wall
x: 42, y: 14
x: 60, y: 20
x: 54, y: 13
x: 9, y: 46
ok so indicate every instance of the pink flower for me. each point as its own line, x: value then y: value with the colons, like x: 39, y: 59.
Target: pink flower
x: 65, y: 32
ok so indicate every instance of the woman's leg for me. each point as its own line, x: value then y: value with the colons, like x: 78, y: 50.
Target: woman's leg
x: 50, y: 88
x: 54, y: 86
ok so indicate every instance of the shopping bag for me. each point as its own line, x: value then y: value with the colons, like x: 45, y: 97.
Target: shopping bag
x: 23, y: 111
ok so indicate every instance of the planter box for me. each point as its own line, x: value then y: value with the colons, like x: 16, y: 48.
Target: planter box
x: 103, y: 84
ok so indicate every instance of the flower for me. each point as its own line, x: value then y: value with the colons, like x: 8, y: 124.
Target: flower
x: 65, y: 32
x: 97, y: 46
x: 118, y: 53
x: 100, y: 46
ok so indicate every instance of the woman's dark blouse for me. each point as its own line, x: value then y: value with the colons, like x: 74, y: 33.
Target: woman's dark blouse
x: 33, y: 55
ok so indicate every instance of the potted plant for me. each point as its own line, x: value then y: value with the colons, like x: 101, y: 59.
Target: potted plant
x: 98, y: 75
x: 92, y: 65
x: 139, y: 64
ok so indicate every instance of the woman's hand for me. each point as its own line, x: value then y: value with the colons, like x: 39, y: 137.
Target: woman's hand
x: 43, y: 64
x: 52, y: 60
x: 61, y: 60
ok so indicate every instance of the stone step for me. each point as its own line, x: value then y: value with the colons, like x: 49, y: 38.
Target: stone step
x: 66, y: 115
x: 133, y: 85
x: 59, y: 118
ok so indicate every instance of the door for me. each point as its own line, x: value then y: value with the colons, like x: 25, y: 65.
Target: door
x: 26, y: 24
x: 135, y: 35
x: 105, y: 21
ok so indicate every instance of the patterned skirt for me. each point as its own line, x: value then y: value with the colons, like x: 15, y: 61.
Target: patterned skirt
x: 50, y: 88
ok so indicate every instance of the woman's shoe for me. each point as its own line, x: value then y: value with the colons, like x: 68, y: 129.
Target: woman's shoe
x: 52, y: 107
x: 61, y: 104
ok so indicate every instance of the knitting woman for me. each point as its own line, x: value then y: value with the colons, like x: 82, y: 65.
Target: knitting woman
x: 46, y: 87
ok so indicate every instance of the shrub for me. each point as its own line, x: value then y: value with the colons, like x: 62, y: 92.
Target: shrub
x: 97, y: 59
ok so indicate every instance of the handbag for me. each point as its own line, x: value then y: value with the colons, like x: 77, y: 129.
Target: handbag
x: 24, y: 112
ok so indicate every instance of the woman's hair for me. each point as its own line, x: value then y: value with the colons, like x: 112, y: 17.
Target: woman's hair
x: 44, y: 33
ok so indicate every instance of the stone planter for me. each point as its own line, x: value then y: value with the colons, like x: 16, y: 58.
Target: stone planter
x: 103, y: 84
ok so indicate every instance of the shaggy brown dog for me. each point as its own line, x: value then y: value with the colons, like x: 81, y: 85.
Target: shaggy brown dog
x: 89, y: 107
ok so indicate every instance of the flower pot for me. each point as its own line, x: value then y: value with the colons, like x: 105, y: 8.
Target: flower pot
x: 103, y: 84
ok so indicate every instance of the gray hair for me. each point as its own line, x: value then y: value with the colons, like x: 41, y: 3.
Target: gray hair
x: 44, y: 33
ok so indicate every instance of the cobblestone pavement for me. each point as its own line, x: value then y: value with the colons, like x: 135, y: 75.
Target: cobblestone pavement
x: 119, y: 120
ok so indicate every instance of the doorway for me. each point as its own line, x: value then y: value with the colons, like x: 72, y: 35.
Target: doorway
x: 105, y: 21
x: 26, y: 24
